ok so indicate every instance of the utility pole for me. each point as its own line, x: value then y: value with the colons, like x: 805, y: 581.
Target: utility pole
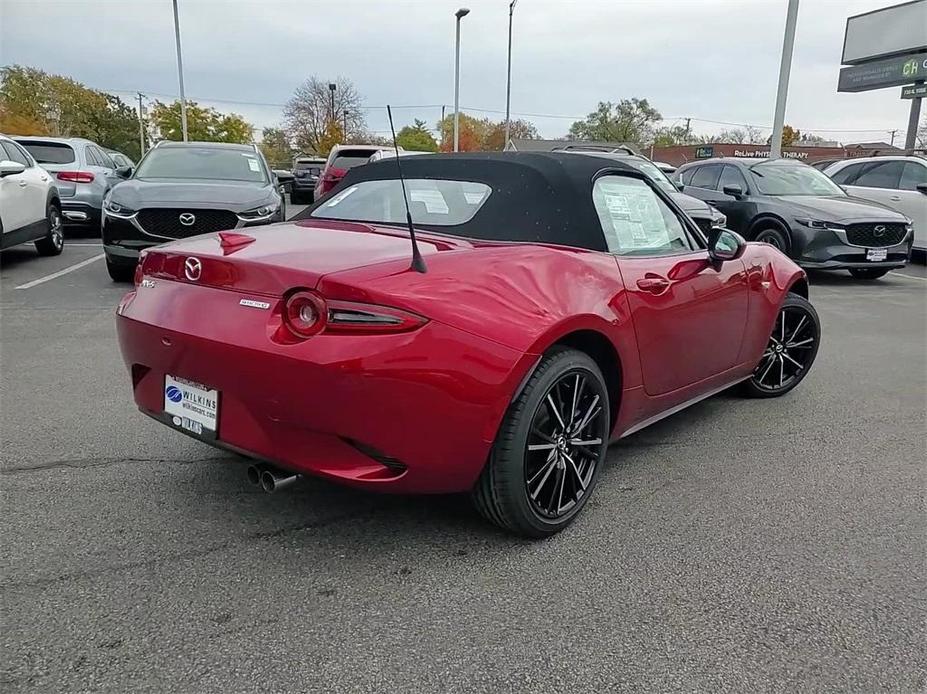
x: 141, y: 125
x: 508, y: 81
x: 910, y: 137
x: 183, y: 99
x: 785, y: 69
x: 688, y: 123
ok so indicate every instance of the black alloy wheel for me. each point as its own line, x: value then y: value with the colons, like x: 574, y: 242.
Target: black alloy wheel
x: 53, y: 241
x: 792, y: 348
x: 868, y: 273
x: 774, y: 238
x: 550, y: 448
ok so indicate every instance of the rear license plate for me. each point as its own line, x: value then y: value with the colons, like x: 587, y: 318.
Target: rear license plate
x: 191, y: 406
x: 876, y: 253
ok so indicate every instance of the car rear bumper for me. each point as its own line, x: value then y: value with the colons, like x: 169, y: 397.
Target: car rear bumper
x: 77, y: 213
x: 303, y: 185
x: 412, y: 412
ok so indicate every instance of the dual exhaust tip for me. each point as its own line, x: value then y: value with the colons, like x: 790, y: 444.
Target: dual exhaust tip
x: 269, y: 478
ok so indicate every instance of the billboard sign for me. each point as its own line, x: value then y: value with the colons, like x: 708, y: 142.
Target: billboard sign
x: 887, y: 32
x: 878, y: 74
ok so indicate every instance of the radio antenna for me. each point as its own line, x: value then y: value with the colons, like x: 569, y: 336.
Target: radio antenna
x: 418, y: 262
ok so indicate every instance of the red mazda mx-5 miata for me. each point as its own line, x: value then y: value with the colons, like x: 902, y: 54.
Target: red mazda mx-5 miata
x: 563, y: 301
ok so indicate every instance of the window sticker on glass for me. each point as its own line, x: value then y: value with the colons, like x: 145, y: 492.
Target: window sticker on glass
x: 634, y: 215
x: 253, y: 164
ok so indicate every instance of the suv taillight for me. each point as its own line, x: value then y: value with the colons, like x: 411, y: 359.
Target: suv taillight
x: 75, y: 176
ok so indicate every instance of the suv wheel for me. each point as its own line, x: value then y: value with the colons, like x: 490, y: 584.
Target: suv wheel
x: 120, y: 272
x: 53, y: 241
x: 773, y: 237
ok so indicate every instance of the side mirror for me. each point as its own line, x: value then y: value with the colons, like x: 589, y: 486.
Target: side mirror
x: 678, y: 184
x: 124, y: 171
x: 922, y: 187
x: 733, y: 191
x: 726, y: 245
x: 9, y: 168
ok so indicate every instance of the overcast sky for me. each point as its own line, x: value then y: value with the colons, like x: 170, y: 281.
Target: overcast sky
x: 706, y: 59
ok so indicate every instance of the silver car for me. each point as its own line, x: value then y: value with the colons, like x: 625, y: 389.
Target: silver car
x: 83, y: 174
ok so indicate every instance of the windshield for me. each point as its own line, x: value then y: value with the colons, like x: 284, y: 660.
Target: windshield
x: 210, y: 163
x: 431, y: 201
x: 49, y: 152
x: 653, y: 173
x: 783, y: 177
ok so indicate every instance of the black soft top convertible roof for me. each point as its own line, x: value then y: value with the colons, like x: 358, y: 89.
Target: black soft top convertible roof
x: 537, y: 197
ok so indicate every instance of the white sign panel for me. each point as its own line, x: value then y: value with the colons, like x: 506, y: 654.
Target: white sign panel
x: 889, y: 31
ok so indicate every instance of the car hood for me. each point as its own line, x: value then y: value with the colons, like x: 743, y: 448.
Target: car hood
x: 691, y: 206
x: 140, y: 193
x: 840, y: 209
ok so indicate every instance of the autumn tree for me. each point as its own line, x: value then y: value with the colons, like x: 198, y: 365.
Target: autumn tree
x: 518, y: 130
x: 33, y: 102
x: 417, y: 138
x: 308, y: 115
x: 276, y: 148
x: 204, y: 124
x: 629, y: 120
x: 472, y: 133
x: 790, y: 136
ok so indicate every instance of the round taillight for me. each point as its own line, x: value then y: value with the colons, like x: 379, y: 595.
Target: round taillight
x: 305, y: 313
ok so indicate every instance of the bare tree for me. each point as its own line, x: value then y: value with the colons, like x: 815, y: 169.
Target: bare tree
x: 309, y: 117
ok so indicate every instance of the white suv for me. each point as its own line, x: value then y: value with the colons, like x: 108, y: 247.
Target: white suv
x: 30, y: 209
x: 897, y: 182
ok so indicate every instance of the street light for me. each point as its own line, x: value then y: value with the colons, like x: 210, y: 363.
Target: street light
x: 183, y: 100
x: 508, y: 81
x: 331, y: 88
x: 785, y: 68
x: 460, y: 14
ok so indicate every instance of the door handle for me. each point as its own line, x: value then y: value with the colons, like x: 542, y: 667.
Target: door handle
x: 23, y: 184
x: 654, y: 285
x: 895, y: 198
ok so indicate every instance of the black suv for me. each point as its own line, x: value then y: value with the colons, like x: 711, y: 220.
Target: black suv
x: 182, y: 189
x: 800, y: 211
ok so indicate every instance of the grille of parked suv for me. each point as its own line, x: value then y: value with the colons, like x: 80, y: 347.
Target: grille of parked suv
x: 876, y: 235
x: 166, y: 221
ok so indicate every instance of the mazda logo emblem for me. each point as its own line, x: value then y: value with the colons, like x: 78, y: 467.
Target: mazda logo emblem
x: 879, y: 231
x: 188, y: 219
x: 192, y: 268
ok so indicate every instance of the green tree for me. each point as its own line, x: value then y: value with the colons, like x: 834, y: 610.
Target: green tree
x: 204, y: 124
x: 276, y: 148
x: 630, y: 120
x: 32, y: 102
x: 417, y: 138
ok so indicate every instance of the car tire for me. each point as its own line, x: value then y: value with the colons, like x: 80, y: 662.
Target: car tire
x: 120, y: 272
x: 53, y: 241
x: 774, y: 237
x: 522, y: 481
x: 866, y: 273
x: 796, y: 354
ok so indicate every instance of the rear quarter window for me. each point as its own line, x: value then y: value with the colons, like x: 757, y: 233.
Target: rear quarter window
x: 50, y: 152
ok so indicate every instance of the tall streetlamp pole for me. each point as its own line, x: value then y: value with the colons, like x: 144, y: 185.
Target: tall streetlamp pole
x: 183, y: 99
x: 785, y: 68
x: 460, y: 14
x: 508, y: 81
x: 141, y: 125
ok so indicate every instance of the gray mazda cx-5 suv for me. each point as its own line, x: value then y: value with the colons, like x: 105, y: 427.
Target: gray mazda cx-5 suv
x: 182, y: 189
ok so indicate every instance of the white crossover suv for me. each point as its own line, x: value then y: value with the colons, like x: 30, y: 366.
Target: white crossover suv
x: 30, y: 209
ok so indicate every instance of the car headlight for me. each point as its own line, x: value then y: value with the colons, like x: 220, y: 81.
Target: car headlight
x: 117, y: 210
x: 260, y: 212
x: 820, y: 224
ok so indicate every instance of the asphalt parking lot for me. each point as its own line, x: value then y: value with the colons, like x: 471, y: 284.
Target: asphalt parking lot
x: 738, y: 546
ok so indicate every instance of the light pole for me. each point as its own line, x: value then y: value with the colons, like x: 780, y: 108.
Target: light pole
x: 183, y: 100
x: 331, y: 89
x: 460, y: 14
x: 141, y: 125
x: 785, y: 68
x: 508, y: 81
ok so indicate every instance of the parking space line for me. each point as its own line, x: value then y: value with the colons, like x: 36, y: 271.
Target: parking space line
x: 910, y: 277
x: 54, y: 275
x: 83, y: 245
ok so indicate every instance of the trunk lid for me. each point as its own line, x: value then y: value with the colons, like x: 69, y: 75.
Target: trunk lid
x: 282, y: 256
